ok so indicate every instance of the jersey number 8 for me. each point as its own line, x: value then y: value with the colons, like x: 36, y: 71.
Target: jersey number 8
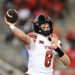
x: 48, y: 58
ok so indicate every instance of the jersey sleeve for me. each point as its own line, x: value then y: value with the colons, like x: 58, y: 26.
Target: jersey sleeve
x: 33, y: 40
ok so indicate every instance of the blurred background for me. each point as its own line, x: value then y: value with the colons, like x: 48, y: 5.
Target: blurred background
x: 14, y: 56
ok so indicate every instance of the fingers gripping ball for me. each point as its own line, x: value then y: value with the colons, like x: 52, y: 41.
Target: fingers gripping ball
x: 12, y: 15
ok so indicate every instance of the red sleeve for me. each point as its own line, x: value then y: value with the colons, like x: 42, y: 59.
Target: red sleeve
x: 32, y: 35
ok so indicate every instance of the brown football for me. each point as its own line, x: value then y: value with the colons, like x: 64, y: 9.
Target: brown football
x: 12, y: 15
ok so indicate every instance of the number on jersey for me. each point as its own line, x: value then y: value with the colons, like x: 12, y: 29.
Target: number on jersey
x: 48, y: 58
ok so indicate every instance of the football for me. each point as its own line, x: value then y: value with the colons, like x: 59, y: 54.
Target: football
x: 12, y: 15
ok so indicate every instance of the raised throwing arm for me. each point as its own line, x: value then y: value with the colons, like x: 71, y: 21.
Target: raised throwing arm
x: 19, y: 33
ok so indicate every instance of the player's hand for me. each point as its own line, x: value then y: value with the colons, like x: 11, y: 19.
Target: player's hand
x: 54, y: 41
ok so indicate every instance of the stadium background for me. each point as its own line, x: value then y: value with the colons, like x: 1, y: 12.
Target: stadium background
x: 13, y: 55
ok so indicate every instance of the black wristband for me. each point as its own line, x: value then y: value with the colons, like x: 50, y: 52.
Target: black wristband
x: 59, y: 52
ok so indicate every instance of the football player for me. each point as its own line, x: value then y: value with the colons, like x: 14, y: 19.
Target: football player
x: 42, y: 45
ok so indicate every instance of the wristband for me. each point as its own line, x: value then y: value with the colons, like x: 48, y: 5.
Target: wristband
x: 12, y: 27
x: 59, y: 52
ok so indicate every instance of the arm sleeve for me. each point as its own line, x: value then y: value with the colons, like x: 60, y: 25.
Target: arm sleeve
x: 33, y: 40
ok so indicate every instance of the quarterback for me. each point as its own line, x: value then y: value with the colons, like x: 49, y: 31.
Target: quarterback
x: 42, y: 45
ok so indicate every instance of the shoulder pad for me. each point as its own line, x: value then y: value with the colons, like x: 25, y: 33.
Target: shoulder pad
x: 33, y: 35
